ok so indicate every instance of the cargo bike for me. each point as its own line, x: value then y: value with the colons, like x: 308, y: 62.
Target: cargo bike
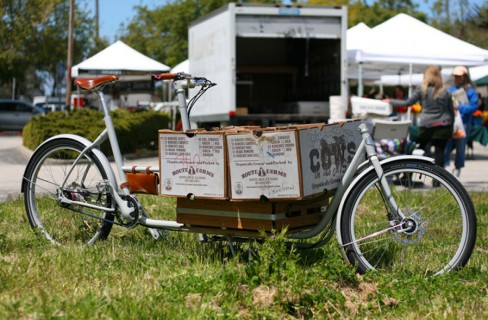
x: 402, y: 212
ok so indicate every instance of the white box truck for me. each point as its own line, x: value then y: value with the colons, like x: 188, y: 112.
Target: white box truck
x: 273, y: 65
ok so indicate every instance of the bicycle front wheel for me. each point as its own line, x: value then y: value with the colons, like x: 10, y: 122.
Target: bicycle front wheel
x: 43, y: 187
x: 437, y: 234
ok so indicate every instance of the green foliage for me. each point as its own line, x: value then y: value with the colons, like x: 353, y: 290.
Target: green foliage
x: 169, y: 23
x: 178, y: 277
x: 380, y: 11
x: 136, y: 131
x: 162, y: 33
x: 27, y: 47
x: 17, y: 34
x: 34, y: 37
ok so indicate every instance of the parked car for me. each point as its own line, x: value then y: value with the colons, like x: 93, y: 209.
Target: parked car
x: 14, y: 114
x: 52, y: 106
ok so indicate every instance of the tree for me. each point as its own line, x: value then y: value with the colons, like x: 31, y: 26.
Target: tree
x: 475, y: 29
x: 162, y: 33
x: 381, y: 10
x: 463, y: 20
x: 33, y: 37
x: 17, y: 32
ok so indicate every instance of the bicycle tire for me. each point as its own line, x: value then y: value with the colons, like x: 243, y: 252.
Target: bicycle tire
x: 61, y: 223
x: 441, y: 230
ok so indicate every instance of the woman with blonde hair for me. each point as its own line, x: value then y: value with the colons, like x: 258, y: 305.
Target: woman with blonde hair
x: 437, y: 116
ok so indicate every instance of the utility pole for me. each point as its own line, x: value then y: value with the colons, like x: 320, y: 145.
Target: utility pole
x: 70, y: 53
x: 97, y: 20
x: 448, y: 16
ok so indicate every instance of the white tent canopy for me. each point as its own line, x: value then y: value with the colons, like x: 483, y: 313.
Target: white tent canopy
x: 475, y: 73
x: 478, y: 72
x: 118, y: 58
x: 183, y: 66
x: 410, y: 79
x: 358, y: 38
x: 403, y: 39
x: 405, y: 45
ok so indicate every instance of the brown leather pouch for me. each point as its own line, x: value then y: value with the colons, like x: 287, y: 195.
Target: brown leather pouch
x: 140, y: 182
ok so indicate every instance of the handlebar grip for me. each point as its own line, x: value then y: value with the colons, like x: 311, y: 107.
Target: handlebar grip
x: 164, y: 76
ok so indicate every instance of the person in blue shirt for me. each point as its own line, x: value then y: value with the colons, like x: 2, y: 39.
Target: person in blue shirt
x: 462, y: 80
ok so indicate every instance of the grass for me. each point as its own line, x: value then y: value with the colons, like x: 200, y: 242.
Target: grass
x: 132, y: 276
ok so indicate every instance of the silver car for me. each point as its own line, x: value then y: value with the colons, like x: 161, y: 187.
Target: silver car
x: 14, y: 114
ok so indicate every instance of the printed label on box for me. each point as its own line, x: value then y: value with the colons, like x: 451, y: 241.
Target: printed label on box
x: 192, y: 165
x: 263, y: 166
x: 326, y: 154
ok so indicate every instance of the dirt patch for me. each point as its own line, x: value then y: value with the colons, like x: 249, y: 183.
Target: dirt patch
x: 263, y: 295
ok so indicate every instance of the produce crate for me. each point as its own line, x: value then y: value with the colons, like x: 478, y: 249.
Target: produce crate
x: 192, y: 164
x: 249, y: 217
x: 289, y: 163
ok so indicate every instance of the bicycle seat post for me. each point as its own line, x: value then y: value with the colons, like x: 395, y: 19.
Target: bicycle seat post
x: 114, y: 143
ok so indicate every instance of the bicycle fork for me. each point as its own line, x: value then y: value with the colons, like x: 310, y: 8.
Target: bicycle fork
x: 369, y: 146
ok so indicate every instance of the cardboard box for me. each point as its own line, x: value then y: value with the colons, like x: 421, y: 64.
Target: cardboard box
x: 242, y: 111
x: 192, y: 164
x: 325, y: 153
x: 249, y: 216
x: 263, y: 164
x: 310, y: 107
x: 361, y: 106
x: 290, y: 163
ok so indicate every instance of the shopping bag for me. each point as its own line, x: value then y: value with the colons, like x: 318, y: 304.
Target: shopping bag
x: 458, y: 132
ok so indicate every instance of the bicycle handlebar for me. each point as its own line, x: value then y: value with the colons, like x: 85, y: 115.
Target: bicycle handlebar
x: 170, y: 76
x: 191, y: 82
x: 163, y: 76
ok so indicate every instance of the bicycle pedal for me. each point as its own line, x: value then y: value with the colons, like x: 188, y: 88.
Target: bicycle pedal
x: 156, y: 233
x: 202, y: 237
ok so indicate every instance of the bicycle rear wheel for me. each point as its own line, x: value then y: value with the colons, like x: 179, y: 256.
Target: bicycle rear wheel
x: 59, y: 222
x: 439, y: 231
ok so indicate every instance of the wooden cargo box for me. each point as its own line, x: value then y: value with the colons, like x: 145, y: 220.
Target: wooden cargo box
x: 225, y: 216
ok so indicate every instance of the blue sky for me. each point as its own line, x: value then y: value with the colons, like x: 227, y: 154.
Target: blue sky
x: 114, y: 12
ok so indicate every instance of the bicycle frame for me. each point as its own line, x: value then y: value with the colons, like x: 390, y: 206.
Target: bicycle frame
x: 435, y: 231
x: 366, y: 147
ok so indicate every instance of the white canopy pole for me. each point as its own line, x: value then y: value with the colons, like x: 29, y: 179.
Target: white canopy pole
x: 360, y: 79
x: 410, y: 89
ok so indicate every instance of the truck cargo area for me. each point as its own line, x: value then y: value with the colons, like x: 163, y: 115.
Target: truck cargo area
x: 273, y: 65
x: 288, y: 76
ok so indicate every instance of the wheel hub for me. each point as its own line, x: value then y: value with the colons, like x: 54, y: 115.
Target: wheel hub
x: 412, y: 230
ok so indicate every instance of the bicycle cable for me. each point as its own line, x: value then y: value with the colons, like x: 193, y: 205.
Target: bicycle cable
x: 207, y: 85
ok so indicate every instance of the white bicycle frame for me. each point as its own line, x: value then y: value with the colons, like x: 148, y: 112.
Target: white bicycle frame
x: 333, y: 210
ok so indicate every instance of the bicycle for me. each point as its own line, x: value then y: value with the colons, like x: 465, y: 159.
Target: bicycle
x: 400, y: 212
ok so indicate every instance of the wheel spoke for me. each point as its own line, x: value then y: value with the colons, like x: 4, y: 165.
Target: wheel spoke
x: 437, y: 234
x: 62, y: 222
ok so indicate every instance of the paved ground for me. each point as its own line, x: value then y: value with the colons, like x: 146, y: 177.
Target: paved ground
x: 14, y: 158
x: 12, y: 165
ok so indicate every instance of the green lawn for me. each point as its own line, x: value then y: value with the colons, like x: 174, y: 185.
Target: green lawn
x: 132, y: 276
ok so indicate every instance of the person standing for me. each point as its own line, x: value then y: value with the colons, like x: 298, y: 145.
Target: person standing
x: 437, y: 116
x: 399, y: 94
x: 463, y: 81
